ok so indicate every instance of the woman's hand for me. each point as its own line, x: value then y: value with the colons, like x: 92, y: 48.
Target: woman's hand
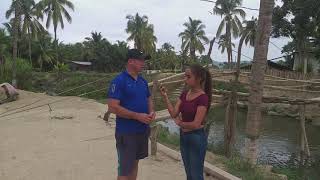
x: 178, y: 121
x: 163, y: 91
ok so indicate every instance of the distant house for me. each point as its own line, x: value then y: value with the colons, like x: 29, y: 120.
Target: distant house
x: 313, y: 62
x: 80, y: 66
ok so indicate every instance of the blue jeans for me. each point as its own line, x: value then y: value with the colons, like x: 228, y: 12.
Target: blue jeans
x: 193, y: 147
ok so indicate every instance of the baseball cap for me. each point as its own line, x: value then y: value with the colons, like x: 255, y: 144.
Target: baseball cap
x: 137, y: 54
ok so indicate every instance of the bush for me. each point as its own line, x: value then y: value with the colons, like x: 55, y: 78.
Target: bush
x: 24, y: 70
x: 61, y: 67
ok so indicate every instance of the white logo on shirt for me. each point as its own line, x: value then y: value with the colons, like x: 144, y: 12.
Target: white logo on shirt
x: 113, y: 88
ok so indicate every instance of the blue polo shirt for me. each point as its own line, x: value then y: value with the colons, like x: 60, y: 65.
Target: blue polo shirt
x: 133, y: 95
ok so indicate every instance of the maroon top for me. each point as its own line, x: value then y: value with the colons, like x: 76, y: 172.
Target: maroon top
x: 188, y: 108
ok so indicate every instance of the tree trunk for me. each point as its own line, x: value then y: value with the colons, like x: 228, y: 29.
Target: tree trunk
x: 239, y: 59
x: 231, y: 111
x: 305, y: 60
x: 257, y: 79
x: 56, y: 45
x: 229, y: 48
x: 210, y: 48
x: 15, y: 44
x: 55, y: 34
x: 193, y: 52
x: 29, y: 35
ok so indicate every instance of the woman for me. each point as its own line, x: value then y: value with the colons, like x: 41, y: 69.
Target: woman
x: 189, y: 113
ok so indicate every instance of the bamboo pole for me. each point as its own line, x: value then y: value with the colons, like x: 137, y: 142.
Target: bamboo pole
x: 270, y: 99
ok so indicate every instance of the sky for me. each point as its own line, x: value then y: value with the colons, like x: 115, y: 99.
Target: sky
x: 167, y: 16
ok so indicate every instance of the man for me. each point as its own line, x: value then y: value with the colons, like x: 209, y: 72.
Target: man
x: 129, y: 98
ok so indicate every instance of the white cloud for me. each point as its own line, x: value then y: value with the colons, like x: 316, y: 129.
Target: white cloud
x: 108, y: 17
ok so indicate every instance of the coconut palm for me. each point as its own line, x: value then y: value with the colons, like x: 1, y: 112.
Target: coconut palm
x: 224, y: 43
x: 15, y: 10
x: 30, y: 24
x: 193, y: 37
x: 56, y: 10
x: 4, y: 42
x: 44, y: 50
x: 229, y: 11
x: 141, y: 32
x: 257, y: 79
x: 248, y: 36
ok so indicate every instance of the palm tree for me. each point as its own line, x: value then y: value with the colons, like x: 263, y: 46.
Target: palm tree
x: 248, y: 35
x: 15, y: 8
x: 230, y: 22
x: 55, y: 11
x: 30, y: 24
x: 149, y: 40
x: 193, y: 37
x: 141, y: 32
x: 93, y: 45
x: 9, y: 27
x: 45, y: 51
x: 4, y: 43
x: 257, y: 79
x: 95, y: 38
x: 167, y: 47
x: 224, y: 43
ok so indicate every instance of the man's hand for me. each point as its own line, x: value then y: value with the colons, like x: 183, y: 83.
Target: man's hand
x: 144, y: 118
x: 152, y: 115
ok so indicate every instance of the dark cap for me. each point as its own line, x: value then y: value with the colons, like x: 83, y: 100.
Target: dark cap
x: 137, y: 54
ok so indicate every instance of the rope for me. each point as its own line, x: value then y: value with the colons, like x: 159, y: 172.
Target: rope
x: 51, y: 103
x: 69, y: 90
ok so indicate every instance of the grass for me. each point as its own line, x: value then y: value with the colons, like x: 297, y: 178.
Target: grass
x: 241, y: 168
x: 168, y: 139
x: 227, y: 86
x: 54, y: 83
x: 300, y: 173
x: 292, y: 173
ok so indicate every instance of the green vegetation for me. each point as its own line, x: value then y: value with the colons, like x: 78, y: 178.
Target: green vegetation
x: 24, y: 71
x: 228, y: 87
x: 168, y: 139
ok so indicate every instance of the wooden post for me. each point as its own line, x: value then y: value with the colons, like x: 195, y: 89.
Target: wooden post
x: 304, y: 146
x: 230, y: 121
x: 154, y: 127
x: 154, y: 139
x: 106, y: 116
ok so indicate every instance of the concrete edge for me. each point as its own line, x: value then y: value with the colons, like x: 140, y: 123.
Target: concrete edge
x: 208, y: 168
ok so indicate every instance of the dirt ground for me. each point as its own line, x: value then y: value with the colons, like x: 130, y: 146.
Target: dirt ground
x: 67, y: 140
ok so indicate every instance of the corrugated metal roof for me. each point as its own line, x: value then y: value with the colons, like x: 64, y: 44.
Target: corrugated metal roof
x: 82, y: 63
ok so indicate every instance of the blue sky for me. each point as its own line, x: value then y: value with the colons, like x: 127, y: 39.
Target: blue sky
x: 167, y: 16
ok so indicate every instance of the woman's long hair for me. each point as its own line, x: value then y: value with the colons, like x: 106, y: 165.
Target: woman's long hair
x: 205, y: 79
